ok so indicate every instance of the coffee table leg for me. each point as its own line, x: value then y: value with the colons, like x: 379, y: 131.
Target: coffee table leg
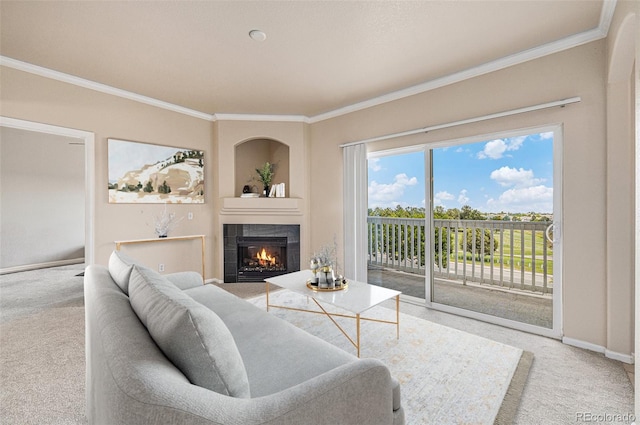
x: 267, y: 283
x: 398, y: 316
x: 358, y: 333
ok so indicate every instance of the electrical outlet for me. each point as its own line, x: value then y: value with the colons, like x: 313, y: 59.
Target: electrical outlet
x: 161, y: 267
x: 190, y: 216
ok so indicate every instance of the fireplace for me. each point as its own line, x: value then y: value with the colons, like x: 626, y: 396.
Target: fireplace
x: 261, y: 257
x: 254, y: 252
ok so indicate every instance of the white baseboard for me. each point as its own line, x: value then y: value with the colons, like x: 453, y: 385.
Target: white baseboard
x: 214, y: 280
x: 583, y: 344
x: 625, y: 358
x: 28, y: 267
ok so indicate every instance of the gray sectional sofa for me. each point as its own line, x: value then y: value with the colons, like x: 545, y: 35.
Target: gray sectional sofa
x: 170, y: 350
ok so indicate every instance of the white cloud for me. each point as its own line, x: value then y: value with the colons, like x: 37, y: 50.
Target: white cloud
x: 520, y: 200
x: 520, y: 178
x: 404, y: 180
x: 463, y: 199
x: 374, y: 164
x: 387, y: 195
x: 546, y: 136
x: 495, y: 149
x: 440, y: 197
x: 515, y: 142
x: 525, y: 193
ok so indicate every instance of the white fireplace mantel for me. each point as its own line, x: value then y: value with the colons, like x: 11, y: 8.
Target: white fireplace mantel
x: 261, y: 206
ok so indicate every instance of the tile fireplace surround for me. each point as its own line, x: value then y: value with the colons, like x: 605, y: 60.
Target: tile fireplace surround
x: 232, y: 231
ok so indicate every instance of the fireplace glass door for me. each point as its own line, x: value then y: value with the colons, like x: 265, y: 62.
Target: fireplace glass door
x: 261, y: 257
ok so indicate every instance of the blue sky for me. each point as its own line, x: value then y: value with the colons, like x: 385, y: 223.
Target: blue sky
x: 512, y: 174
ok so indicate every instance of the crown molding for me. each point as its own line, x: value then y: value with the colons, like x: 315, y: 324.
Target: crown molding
x: 261, y: 117
x: 606, y: 16
x: 103, y: 88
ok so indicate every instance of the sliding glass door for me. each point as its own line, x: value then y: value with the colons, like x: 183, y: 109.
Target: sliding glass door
x: 472, y: 227
x: 396, y: 221
x: 495, y: 217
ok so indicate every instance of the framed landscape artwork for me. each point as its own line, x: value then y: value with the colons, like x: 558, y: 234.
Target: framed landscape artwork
x: 146, y: 173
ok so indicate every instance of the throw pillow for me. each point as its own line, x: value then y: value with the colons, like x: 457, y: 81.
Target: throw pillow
x: 192, y: 336
x: 120, y: 266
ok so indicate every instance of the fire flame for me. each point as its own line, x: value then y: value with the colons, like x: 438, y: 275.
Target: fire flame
x: 265, y: 259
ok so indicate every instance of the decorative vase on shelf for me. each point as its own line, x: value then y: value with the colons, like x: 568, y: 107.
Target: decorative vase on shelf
x: 265, y: 173
x: 165, y: 222
x: 326, y: 277
x: 327, y: 261
x: 314, y: 266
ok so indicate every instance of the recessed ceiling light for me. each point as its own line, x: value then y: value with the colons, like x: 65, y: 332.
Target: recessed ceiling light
x: 257, y: 35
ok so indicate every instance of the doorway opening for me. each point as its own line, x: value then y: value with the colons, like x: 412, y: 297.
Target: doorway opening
x: 76, y: 141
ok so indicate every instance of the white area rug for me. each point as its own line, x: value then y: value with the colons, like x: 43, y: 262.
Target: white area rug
x: 447, y: 376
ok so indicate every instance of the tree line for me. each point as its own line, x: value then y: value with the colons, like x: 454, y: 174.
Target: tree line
x: 182, y: 156
x: 148, y: 188
x: 464, y: 213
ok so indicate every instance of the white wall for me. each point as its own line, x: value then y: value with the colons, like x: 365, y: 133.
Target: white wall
x: 42, y: 202
x: 620, y: 188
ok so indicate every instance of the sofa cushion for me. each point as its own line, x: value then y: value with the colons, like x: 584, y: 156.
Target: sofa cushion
x: 120, y: 266
x: 270, y: 347
x: 192, y: 336
x: 185, y: 280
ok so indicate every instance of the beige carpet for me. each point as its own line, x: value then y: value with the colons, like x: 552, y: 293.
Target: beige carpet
x: 42, y: 372
x: 447, y: 376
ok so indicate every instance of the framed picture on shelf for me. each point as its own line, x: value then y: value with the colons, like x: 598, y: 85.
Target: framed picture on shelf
x: 151, y: 174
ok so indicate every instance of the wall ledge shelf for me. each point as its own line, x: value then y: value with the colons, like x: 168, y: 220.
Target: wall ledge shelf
x: 167, y: 239
x: 261, y: 206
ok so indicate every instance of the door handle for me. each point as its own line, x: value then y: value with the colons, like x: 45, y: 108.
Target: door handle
x: 548, y: 231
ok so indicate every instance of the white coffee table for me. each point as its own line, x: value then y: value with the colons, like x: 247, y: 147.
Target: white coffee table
x: 357, y: 298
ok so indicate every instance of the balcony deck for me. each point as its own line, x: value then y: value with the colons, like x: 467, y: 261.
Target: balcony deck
x: 499, y: 268
x: 522, y: 306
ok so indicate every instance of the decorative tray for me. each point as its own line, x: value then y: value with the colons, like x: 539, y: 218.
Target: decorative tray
x: 345, y: 285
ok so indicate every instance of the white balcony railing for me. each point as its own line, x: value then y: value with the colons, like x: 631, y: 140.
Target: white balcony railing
x: 514, y: 255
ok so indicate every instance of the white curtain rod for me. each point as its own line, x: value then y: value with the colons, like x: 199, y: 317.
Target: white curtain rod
x: 468, y: 121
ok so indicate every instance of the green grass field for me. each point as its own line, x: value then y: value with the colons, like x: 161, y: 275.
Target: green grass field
x: 516, y: 250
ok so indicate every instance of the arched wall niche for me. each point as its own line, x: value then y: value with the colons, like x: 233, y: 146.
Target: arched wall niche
x: 254, y: 153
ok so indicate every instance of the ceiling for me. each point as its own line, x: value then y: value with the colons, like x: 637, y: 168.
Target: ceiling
x: 319, y: 57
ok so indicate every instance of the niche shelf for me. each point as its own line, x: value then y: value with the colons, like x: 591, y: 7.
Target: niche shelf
x: 252, y: 154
